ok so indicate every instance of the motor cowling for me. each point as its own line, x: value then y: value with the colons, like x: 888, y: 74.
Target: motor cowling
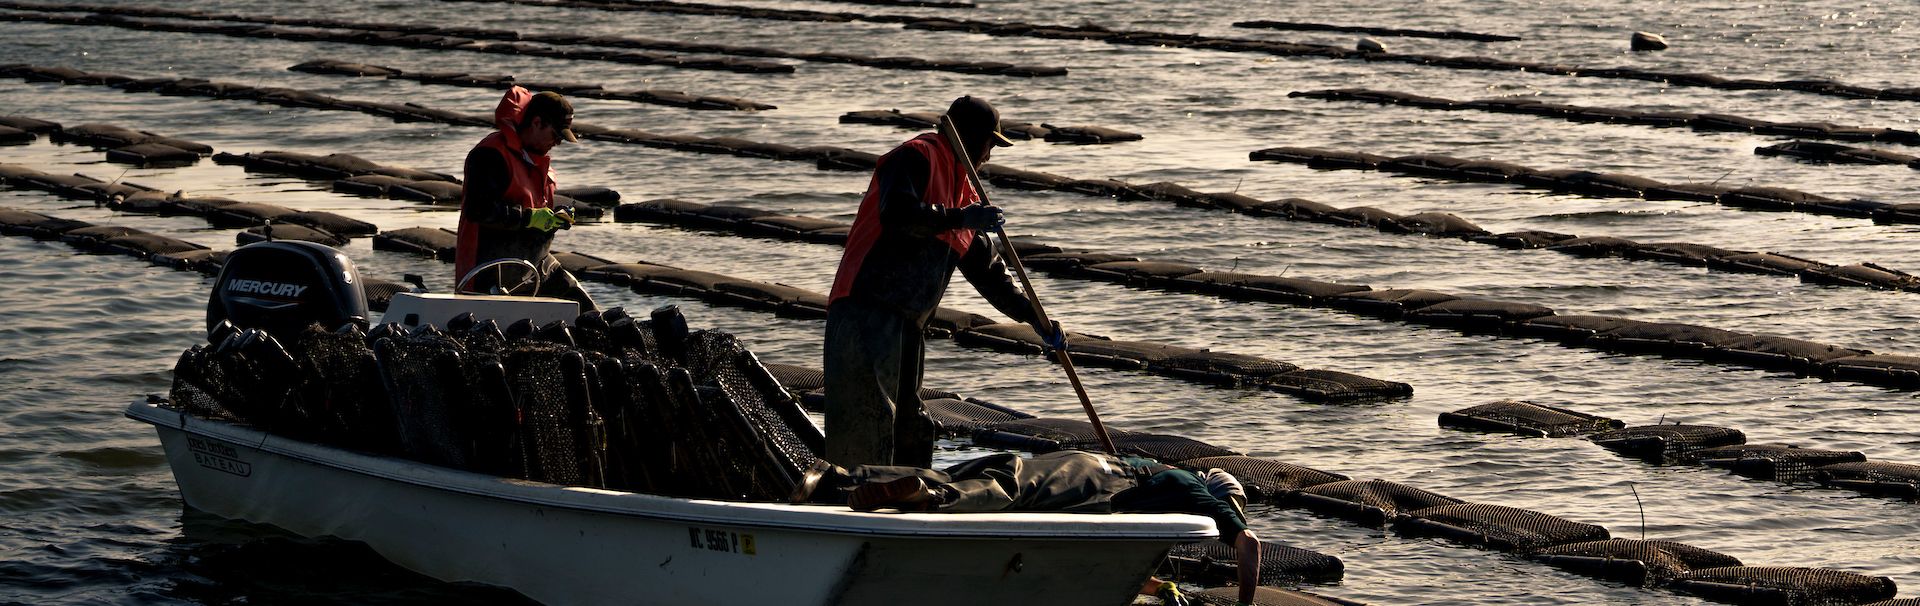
x: 283, y: 286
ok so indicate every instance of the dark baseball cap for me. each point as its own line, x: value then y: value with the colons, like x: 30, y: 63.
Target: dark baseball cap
x: 973, y: 116
x: 555, y: 110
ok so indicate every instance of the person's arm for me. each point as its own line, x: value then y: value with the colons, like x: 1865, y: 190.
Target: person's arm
x: 1246, y: 555
x: 903, y: 206
x: 486, y: 202
x: 987, y: 271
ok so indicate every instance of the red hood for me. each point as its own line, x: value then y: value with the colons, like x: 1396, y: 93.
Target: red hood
x: 506, y: 116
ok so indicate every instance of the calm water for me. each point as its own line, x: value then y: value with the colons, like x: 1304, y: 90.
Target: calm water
x: 89, y: 512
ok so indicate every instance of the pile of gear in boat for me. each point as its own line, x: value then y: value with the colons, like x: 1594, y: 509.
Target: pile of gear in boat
x: 607, y: 400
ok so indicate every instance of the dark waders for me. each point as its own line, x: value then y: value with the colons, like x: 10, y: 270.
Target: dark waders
x: 873, y: 368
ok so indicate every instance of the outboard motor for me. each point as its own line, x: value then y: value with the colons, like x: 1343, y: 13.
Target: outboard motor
x: 282, y: 286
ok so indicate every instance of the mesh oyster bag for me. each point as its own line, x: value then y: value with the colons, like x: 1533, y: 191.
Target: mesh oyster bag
x: 1526, y: 418
x: 1497, y: 526
x: 1263, y: 479
x: 1634, y: 561
x: 1785, y: 585
x: 1212, y: 562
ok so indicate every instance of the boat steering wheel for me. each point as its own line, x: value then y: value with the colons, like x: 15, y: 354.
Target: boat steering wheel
x: 501, y: 269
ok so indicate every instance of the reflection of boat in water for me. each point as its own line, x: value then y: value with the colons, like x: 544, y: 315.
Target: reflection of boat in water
x: 577, y: 544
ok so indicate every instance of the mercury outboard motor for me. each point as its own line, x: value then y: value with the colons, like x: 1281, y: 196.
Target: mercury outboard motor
x: 285, y: 285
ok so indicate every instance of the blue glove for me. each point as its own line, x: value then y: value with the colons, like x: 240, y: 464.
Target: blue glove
x: 1057, y: 340
x: 981, y: 216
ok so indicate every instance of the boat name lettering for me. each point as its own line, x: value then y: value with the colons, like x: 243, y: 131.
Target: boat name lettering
x: 218, y: 457
x: 725, y: 541
x: 262, y: 287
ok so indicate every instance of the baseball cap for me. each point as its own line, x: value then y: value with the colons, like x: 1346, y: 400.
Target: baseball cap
x: 972, y: 115
x: 554, y: 109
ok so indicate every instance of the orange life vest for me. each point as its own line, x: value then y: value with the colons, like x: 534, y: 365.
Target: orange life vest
x: 947, y: 187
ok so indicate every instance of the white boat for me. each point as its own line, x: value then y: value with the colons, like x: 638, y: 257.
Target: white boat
x: 567, y: 545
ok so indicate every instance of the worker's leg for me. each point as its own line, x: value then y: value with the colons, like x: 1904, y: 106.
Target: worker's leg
x: 913, y: 430
x: 862, y: 365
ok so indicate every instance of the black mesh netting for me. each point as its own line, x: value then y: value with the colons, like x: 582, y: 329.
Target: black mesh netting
x: 798, y: 378
x: 1526, y: 418
x: 1662, y: 559
x: 1263, y: 479
x: 1901, y: 479
x: 1773, y: 461
x: 1122, y: 354
x: 342, y: 390
x: 958, y: 417
x: 429, y: 391
x: 1498, y: 526
x: 1666, y: 443
x: 1212, y: 563
x: 1047, y: 429
x: 775, y: 437
x: 1367, y: 501
x: 242, y: 377
x: 1263, y: 596
x: 1785, y: 585
x: 1158, y: 446
x: 1316, y: 384
x: 595, y: 403
x: 564, y: 437
x: 1224, y: 368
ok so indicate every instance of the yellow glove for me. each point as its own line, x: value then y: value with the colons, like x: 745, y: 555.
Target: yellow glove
x: 544, y: 219
x: 1170, y: 595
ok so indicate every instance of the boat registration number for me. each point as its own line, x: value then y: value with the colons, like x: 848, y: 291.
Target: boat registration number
x: 724, y: 541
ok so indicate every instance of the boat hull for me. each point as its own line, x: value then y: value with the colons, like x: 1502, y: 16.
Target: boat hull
x: 571, y: 545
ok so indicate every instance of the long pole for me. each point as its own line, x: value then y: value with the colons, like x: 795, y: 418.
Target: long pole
x: 952, y: 136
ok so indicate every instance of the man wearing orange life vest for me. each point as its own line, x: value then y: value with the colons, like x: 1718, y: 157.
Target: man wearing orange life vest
x: 920, y: 220
x: 506, y: 202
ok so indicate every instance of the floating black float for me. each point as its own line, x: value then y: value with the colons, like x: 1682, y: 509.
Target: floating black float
x: 1496, y: 527
x: 1526, y: 418
x: 1633, y: 561
x: 1213, y: 563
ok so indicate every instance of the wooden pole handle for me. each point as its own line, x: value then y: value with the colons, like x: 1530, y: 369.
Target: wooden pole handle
x: 952, y: 136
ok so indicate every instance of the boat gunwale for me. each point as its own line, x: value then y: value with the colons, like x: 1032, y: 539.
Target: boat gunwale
x: 810, y: 518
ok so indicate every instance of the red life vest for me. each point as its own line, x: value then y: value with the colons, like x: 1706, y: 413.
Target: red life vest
x: 530, y: 182
x: 947, y: 187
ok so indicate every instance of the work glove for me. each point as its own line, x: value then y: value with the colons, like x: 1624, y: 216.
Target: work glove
x: 544, y: 219
x: 1057, y: 339
x: 981, y: 216
x: 1170, y: 595
x: 565, y: 214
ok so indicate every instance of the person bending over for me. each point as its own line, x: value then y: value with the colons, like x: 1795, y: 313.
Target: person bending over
x: 1067, y: 480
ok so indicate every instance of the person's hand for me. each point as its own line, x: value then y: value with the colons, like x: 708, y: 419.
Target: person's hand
x: 1170, y: 595
x: 1057, y: 339
x: 544, y: 219
x: 565, y: 215
x: 981, y: 216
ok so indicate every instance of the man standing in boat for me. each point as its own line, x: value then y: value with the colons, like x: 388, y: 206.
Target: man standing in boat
x: 920, y: 219
x: 506, y: 203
